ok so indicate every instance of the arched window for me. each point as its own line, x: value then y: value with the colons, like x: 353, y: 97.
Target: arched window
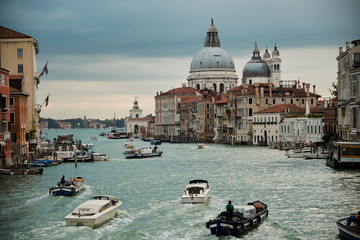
x: 221, y: 87
x: 250, y: 111
x: 250, y: 100
x: 266, y: 101
x: 250, y: 81
x: 198, y: 87
x: 214, y: 86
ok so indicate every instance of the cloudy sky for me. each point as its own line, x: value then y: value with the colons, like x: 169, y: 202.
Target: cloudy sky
x: 104, y: 53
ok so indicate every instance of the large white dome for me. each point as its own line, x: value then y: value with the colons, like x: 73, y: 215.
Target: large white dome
x: 212, y: 58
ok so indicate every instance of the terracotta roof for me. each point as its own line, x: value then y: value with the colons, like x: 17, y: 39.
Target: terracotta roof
x: 181, y: 90
x: 282, y: 108
x: 222, y: 99
x: 191, y: 100
x: 13, y: 89
x: 140, y: 119
x: 8, y: 33
x: 15, y: 77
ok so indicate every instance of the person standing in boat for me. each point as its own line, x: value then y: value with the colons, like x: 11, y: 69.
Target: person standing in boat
x: 62, y: 179
x: 229, y: 208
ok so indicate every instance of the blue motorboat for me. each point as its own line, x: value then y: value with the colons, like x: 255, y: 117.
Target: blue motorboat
x: 349, y: 228
x: 155, y: 142
x: 242, y: 219
x: 68, y: 188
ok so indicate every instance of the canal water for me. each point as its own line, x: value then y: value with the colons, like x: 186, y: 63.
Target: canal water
x: 305, y: 198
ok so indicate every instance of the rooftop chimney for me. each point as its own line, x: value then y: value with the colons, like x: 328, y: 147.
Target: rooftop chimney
x: 340, y: 50
x: 303, y: 86
x: 347, y: 45
x: 307, y: 89
x: 314, y: 89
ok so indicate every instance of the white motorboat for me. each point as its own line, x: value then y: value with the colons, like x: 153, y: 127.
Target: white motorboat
x: 129, y: 144
x: 197, y: 191
x: 100, y: 157
x: 64, y: 153
x: 93, y: 138
x: 200, y: 146
x: 94, y: 212
x: 297, y: 153
x: 143, y: 153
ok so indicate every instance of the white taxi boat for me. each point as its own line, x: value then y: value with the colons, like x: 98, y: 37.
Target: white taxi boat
x: 100, y: 157
x: 197, y: 191
x: 94, y: 212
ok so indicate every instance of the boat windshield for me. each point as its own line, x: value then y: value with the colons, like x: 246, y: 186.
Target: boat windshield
x: 195, y: 190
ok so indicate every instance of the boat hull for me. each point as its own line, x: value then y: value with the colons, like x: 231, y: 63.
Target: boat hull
x: 347, y: 232
x: 61, y: 190
x: 91, y: 221
x: 228, y: 227
x: 195, y: 199
x: 142, y: 155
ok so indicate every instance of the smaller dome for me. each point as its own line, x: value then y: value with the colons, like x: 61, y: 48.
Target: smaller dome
x: 266, y: 54
x: 256, y: 68
x: 275, y: 52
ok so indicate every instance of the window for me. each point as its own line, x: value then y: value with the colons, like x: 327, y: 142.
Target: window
x: 2, y: 80
x: 207, y: 116
x: 302, y: 101
x: 250, y: 100
x: 273, y: 101
x: 250, y: 111
x: 12, y: 118
x: 266, y: 101
x: 19, y: 52
x: 208, y: 106
x: 291, y: 101
x: 312, y: 101
x: 250, y: 81
x: 20, y: 68
x: 12, y: 101
x: 356, y: 59
x: 221, y: 87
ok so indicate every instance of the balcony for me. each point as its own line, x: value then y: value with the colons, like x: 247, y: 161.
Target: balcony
x: 342, y: 102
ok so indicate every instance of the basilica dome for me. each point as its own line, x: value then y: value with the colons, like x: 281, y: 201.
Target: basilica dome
x: 212, y: 58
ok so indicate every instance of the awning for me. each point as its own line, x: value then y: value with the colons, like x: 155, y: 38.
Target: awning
x: 2, y: 143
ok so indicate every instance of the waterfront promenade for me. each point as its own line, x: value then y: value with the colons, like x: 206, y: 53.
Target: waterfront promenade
x: 304, y: 197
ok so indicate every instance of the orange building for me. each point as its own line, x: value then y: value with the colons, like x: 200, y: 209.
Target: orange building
x: 18, y: 117
x: 5, y: 144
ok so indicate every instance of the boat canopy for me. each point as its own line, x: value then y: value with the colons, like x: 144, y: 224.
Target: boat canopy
x: 90, y: 207
x: 247, y: 210
x: 198, y: 181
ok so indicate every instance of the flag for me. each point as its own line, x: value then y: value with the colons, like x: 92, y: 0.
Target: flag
x: 45, y: 70
x: 47, y: 100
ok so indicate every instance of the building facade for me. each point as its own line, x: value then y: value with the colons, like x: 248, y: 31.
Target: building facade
x: 167, y: 116
x: 18, y: 54
x: 348, y: 83
x: 5, y: 143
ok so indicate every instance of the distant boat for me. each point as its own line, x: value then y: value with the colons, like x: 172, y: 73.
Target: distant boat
x: 100, y: 157
x: 200, y: 146
x: 129, y: 144
x: 94, y: 212
x: 93, y: 138
x: 142, y: 153
x: 155, y: 142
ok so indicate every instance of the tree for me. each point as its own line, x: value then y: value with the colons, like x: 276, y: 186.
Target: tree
x: 334, y: 92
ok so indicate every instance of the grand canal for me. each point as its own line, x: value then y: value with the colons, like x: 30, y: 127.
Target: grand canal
x: 304, y: 197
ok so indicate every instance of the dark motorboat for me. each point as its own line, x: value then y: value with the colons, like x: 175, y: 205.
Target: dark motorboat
x: 242, y: 219
x: 155, y: 142
x: 349, y: 227
x: 68, y: 188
